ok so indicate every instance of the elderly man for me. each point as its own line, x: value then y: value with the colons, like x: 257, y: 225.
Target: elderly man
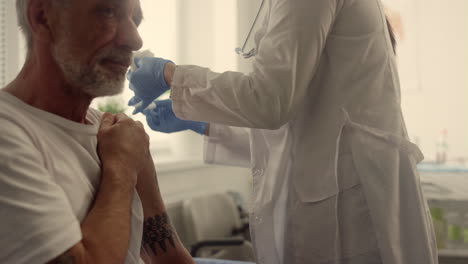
x: 77, y: 186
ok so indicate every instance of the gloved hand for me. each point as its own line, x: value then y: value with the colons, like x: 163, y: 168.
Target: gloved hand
x: 147, y: 82
x: 162, y: 119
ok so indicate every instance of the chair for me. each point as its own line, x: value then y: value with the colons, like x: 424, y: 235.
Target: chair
x: 213, y: 226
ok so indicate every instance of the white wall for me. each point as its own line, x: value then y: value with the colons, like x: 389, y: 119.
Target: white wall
x: 442, y: 102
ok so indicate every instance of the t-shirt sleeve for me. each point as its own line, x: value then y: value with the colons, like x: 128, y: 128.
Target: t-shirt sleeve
x: 37, y: 221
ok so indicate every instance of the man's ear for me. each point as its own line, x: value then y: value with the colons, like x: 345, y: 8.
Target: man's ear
x: 39, y: 16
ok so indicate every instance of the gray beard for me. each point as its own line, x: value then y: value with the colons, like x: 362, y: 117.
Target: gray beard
x: 92, y: 81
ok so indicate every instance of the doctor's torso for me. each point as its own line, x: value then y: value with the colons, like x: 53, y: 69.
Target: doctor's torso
x: 356, y: 73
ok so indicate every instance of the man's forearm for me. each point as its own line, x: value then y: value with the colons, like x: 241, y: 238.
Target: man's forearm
x: 160, y: 241
x: 106, y: 229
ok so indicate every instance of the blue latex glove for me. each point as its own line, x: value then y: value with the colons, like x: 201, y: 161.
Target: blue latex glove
x: 147, y: 82
x: 163, y: 119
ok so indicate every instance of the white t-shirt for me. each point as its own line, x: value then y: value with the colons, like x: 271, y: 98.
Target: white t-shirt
x: 49, y: 174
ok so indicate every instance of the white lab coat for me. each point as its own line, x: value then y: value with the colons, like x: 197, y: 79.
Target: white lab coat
x: 323, y: 67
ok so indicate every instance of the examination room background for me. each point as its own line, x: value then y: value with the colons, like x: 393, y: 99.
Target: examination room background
x: 433, y: 58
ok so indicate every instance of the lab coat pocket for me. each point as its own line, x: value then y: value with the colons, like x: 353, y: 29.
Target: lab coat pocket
x: 340, y: 226
x: 317, y: 179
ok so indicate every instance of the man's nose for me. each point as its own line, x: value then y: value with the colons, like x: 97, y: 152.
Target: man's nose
x: 128, y: 36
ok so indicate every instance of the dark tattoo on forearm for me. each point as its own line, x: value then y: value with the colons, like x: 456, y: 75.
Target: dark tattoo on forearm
x: 156, y: 231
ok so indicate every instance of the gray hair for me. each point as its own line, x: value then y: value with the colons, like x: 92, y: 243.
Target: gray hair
x: 23, y: 23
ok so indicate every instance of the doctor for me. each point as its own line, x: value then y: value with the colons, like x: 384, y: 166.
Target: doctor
x: 319, y: 122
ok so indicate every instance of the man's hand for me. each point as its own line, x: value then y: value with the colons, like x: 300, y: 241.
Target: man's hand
x: 123, y: 144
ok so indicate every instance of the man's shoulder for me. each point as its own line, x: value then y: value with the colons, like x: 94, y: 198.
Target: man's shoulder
x: 11, y: 122
x: 10, y: 109
x: 14, y: 124
x: 13, y: 133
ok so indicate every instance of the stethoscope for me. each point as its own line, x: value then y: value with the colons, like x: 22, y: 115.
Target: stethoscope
x: 253, y: 51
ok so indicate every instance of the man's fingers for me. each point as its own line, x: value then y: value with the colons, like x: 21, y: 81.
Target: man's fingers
x: 121, y: 117
x: 139, y: 124
x: 107, y: 120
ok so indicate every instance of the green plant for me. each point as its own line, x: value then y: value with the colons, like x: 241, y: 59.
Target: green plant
x: 113, y: 106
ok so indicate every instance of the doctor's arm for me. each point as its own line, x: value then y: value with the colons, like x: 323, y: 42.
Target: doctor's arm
x: 224, y: 145
x: 287, y: 60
